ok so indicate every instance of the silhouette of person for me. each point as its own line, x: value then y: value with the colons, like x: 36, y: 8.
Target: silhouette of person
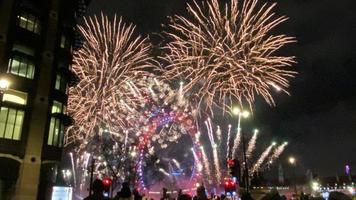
x: 125, y: 192
x: 201, y: 193
x: 137, y: 195
x: 165, y: 195
x: 98, y: 189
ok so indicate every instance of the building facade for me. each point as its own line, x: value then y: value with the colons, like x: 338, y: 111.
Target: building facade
x: 37, y: 38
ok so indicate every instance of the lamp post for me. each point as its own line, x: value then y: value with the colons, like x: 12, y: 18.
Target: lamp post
x: 246, y: 180
x: 242, y: 113
x: 293, y: 162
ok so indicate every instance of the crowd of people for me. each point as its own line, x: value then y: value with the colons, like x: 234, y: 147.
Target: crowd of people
x: 126, y: 194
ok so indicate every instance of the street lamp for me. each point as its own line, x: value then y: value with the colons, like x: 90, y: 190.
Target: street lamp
x: 4, y: 86
x: 292, y: 161
x: 242, y: 113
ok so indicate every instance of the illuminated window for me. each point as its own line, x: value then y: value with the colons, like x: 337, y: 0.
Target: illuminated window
x: 55, y: 133
x: 21, y: 66
x: 58, y: 107
x: 21, y: 63
x: 15, y: 96
x: 29, y: 22
x: 11, y: 121
x: 63, y: 42
x: 61, y: 84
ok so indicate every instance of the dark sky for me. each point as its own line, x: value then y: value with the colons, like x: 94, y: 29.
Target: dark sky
x: 319, y: 118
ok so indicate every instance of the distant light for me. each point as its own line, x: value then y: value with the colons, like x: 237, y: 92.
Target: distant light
x: 4, y: 85
x: 200, y: 167
x: 245, y: 114
x: 236, y: 111
x: 181, y: 83
x: 274, y: 143
x: 285, y: 143
x: 256, y: 131
x: 325, y: 195
x: 291, y: 160
x: 347, y: 169
x: 315, y: 185
x: 68, y: 173
x: 351, y: 190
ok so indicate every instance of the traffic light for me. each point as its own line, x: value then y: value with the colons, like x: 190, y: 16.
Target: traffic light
x: 107, y: 184
x: 229, y: 185
x: 234, y: 168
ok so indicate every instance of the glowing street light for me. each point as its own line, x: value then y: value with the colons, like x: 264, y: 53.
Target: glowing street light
x: 315, y: 186
x: 236, y: 110
x: 243, y: 113
x: 240, y: 113
x: 4, y: 85
x: 292, y: 160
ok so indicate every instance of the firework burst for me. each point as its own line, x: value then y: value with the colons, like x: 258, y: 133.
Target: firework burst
x: 216, y: 169
x: 227, y: 53
x: 110, y: 62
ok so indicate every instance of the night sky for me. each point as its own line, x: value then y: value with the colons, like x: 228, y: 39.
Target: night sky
x: 319, y: 118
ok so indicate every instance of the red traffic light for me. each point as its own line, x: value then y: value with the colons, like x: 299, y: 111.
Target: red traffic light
x: 229, y: 185
x: 107, y: 181
x: 231, y: 162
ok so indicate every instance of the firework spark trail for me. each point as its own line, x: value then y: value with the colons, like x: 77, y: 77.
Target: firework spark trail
x: 251, y: 145
x: 86, y: 160
x: 180, y: 93
x: 164, y: 172
x: 194, y: 154
x: 126, y: 137
x: 228, y: 142
x: 279, y: 150
x: 217, y: 163
x: 262, y: 158
x: 210, y: 132
x: 257, y: 161
x: 228, y: 53
x: 218, y: 134
x: 73, y: 168
x: 206, y: 164
x: 237, y: 142
x: 177, y: 164
x: 108, y: 66
x: 214, y: 149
